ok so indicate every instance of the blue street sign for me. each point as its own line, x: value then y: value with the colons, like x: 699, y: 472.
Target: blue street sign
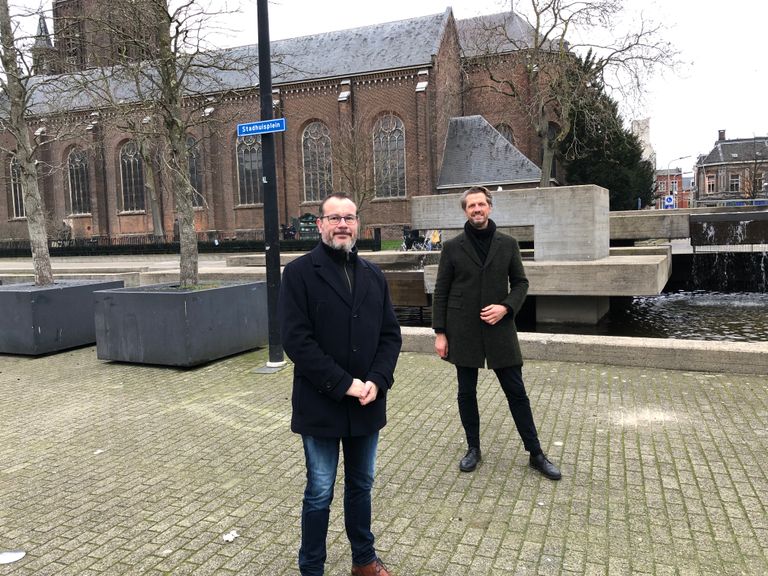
x: 261, y: 127
x: 669, y: 201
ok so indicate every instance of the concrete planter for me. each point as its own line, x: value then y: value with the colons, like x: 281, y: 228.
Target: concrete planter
x: 163, y: 324
x: 36, y: 320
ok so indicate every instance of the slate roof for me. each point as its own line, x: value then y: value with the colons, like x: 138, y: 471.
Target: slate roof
x: 494, y: 33
x: 669, y: 172
x: 477, y: 154
x: 395, y: 45
x: 43, y: 37
x: 389, y: 46
x: 739, y: 150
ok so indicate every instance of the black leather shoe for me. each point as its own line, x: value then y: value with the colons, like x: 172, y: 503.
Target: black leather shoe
x: 470, y: 460
x: 541, y: 463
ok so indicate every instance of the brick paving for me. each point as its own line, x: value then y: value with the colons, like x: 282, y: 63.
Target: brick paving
x: 109, y: 468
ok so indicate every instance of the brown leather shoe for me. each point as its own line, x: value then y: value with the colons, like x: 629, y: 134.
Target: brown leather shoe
x: 375, y: 568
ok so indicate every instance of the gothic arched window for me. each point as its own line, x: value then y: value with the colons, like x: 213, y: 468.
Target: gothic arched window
x: 195, y: 172
x: 506, y: 131
x: 132, y: 177
x: 17, y: 190
x: 249, y: 170
x: 318, y: 165
x: 79, y: 190
x: 389, y: 157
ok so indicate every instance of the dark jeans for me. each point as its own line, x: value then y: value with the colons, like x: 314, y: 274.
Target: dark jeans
x: 511, y: 380
x: 322, y: 459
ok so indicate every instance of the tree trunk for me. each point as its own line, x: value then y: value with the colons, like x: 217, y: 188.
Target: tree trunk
x: 175, y: 139
x: 158, y: 230
x: 16, y: 93
x: 185, y: 212
x: 547, y: 159
x: 38, y: 235
x: 188, y: 261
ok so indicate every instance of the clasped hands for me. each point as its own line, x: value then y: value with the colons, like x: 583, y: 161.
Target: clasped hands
x: 366, y: 392
x: 493, y: 313
x: 490, y: 314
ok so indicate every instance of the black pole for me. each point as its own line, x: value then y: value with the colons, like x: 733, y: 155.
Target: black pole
x: 271, y: 232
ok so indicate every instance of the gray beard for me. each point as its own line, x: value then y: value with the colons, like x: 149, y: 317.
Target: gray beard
x: 337, y: 245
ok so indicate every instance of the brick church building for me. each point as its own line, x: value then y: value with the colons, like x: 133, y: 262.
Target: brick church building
x: 393, y: 110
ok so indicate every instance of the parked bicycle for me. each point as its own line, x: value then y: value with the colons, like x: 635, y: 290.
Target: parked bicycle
x: 412, y: 240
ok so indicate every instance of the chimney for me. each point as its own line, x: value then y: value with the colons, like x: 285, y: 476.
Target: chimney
x: 720, y: 135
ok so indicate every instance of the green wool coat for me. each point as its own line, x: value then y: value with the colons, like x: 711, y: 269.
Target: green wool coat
x: 464, y: 286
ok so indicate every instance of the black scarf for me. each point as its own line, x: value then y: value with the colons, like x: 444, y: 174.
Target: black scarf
x: 481, y: 238
x: 346, y: 262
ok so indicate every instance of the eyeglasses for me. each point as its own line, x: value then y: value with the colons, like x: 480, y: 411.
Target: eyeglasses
x: 335, y: 219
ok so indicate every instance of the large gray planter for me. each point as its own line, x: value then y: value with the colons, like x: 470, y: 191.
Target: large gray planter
x: 36, y: 320
x: 163, y: 324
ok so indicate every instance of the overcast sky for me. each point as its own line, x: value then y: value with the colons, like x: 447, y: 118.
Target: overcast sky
x: 719, y: 85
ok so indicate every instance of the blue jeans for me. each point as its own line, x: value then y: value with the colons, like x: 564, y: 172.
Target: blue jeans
x: 322, y: 459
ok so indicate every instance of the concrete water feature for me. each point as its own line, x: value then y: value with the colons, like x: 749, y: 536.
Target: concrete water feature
x: 726, y: 230
x: 683, y: 354
x: 574, y: 272
x: 572, y: 269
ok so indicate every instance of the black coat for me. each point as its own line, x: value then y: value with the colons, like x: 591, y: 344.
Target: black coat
x: 333, y: 336
x: 464, y: 286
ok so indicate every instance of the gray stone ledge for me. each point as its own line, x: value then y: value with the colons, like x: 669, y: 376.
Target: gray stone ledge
x: 664, y: 353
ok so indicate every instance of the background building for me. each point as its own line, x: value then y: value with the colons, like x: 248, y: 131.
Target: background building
x: 384, y: 111
x: 734, y: 172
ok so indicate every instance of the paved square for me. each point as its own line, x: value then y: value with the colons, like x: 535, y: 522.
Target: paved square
x: 115, y: 469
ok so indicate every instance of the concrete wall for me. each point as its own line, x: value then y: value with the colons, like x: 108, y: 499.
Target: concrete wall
x: 664, y: 353
x: 649, y: 224
x: 642, y: 274
x: 623, y: 225
x: 569, y: 222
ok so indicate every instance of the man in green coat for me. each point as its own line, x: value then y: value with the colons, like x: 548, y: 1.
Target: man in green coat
x: 480, y: 287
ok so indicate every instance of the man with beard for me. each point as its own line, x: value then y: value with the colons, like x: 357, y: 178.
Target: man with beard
x: 339, y: 328
x: 480, y: 287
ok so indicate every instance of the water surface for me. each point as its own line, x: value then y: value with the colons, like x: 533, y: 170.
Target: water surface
x: 697, y: 315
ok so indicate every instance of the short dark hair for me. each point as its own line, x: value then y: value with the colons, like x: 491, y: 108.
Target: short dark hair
x: 476, y: 190
x: 338, y: 196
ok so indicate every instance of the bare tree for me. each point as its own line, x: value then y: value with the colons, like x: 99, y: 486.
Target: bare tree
x: 15, y: 87
x: 528, y: 58
x: 164, y: 75
x: 353, y: 162
x: 755, y: 171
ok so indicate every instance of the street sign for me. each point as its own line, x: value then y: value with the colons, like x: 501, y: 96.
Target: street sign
x: 261, y: 127
x: 669, y: 201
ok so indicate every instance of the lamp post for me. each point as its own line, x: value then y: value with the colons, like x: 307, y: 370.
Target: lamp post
x: 669, y: 190
x: 271, y: 236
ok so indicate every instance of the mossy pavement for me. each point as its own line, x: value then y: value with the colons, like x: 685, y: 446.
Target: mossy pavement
x: 109, y: 468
